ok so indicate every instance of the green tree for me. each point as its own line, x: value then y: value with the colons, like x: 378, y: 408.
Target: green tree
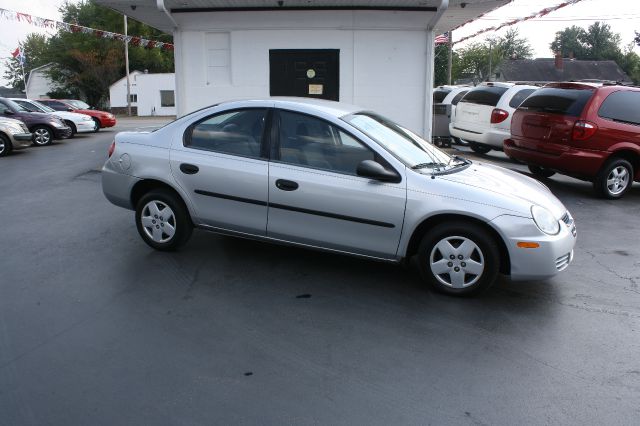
x: 35, y: 52
x: 567, y: 42
x: 512, y: 46
x: 597, y: 42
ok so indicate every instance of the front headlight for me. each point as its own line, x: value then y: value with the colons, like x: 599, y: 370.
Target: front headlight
x: 16, y: 128
x: 87, y: 118
x: 58, y: 124
x: 58, y: 117
x: 544, y: 220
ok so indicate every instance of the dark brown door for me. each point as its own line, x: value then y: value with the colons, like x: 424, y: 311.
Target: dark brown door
x: 305, y: 73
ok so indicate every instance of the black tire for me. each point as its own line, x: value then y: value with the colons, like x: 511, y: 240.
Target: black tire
x: 180, y: 220
x: 541, y: 171
x: 42, y: 135
x: 5, y: 146
x: 484, y: 252
x: 73, y: 128
x: 95, y: 120
x: 614, y: 191
x: 480, y: 149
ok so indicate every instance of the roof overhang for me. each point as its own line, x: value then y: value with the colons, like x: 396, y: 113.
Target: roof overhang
x: 150, y: 11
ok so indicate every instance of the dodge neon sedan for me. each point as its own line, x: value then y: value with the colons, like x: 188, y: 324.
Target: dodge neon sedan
x: 332, y: 176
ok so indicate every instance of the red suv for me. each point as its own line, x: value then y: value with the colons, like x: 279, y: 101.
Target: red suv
x: 585, y: 130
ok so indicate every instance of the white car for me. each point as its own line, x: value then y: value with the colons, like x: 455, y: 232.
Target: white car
x: 335, y: 177
x: 483, y: 115
x: 79, y: 123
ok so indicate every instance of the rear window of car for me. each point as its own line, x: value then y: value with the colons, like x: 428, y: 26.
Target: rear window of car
x: 558, y: 101
x: 439, y: 95
x: 623, y: 106
x: 485, y: 95
x: 519, y: 97
x: 457, y: 97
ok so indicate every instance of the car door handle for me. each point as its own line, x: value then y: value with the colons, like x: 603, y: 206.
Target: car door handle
x: 286, y: 185
x: 189, y: 169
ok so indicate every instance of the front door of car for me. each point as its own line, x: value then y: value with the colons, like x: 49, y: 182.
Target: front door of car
x: 316, y: 197
x: 222, y: 165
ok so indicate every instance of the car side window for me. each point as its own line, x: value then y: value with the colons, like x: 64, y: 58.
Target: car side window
x: 457, y: 97
x: 312, y: 142
x: 237, y: 132
x: 58, y: 106
x: 622, y: 106
x: 519, y: 97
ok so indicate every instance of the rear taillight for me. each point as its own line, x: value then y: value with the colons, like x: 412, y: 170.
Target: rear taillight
x: 498, y: 115
x: 583, y: 130
x: 112, y: 148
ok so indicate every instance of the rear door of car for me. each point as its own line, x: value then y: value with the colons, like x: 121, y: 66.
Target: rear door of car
x: 545, y: 120
x: 317, y: 198
x: 473, y: 112
x: 618, y: 121
x: 222, y: 163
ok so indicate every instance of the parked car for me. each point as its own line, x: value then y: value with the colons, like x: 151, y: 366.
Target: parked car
x: 442, y: 114
x: 79, y: 123
x: 45, y: 127
x: 13, y: 135
x: 332, y: 176
x: 483, y: 115
x: 101, y: 118
x: 585, y: 130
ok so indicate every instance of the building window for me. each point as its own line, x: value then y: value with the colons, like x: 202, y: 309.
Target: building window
x: 167, y: 98
x: 133, y: 98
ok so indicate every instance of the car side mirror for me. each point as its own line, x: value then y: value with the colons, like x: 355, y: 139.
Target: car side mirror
x: 374, y: 170
x: 8, y: 112
x: 70, y: 109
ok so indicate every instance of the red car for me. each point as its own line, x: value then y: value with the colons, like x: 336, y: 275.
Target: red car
x: 585, y: 130
x: 102, y: 118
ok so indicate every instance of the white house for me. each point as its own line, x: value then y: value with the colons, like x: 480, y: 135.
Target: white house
x: 374, y: 53
x: 39, y: 83
x: 151, y: 94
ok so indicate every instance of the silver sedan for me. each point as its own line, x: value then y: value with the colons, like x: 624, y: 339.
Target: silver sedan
x: 332, y: 176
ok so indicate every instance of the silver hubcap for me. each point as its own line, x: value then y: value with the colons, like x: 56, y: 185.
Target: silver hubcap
x: 457, y: 262
x: 158, y: 221
x: 618, y: 180
x: 2, y: 146
x: 42, y: 136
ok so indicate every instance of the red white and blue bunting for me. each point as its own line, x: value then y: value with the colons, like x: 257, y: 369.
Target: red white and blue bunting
x: 11, y: 15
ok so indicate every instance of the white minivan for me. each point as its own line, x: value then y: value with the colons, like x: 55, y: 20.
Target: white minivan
x: 483, y: 115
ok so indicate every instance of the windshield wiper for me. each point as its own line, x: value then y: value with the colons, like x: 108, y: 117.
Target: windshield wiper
x: 424, y: 165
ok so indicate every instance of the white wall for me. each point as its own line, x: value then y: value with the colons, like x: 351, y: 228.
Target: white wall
x: 39, y: 84
x: 118, y: 90
x: 382, y: 56
x: 148, y: 89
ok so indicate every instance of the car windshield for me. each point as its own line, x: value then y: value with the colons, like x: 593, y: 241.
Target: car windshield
x: 42, y: 107
x: 405, y: 145
x: 16, y: 106
x: 78, y: 104
x: 28, y: 106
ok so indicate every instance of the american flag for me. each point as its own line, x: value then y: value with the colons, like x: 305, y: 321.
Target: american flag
x: 19, y: 54
x: 442, y: 38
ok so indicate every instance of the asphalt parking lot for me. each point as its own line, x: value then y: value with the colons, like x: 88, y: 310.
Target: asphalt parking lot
x: 97, y: 328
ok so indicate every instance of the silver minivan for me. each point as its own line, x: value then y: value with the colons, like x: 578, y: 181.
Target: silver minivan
x: 335, y: 177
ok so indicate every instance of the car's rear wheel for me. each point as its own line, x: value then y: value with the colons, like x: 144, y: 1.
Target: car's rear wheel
x: 541, y: 171
x: 5, y: 146
x: 73, y: 128
x: 42, y: 135
x: 614, y: 179
x: 480, y: 149
x: 97, y: 123
x: 162, y: 220
x: 460, y: 259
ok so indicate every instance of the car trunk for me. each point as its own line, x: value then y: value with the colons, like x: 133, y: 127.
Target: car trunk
x: 473, y: 112
x: 545, y: 121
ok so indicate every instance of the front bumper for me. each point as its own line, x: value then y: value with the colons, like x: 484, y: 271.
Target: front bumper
x: 21, y: 140
x: 554, y: 254
x: 565, y: 159
x: 85, y: 126
x: 107, y: 122
x: 61, y: 132
x: 490, y: 137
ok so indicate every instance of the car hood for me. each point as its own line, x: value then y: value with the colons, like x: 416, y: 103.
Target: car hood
x: 507, y: 183
x: 7, y: 120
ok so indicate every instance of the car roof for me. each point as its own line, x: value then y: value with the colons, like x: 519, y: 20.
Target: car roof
x: 333, y: 108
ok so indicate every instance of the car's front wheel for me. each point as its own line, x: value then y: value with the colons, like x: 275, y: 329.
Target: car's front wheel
x: 163, y: 220
x: 74, y: 130
x: 480, y: 149
x: 541, y: 171
x: 460, y: 259
x: 42, y: 135
x: 614, y: 179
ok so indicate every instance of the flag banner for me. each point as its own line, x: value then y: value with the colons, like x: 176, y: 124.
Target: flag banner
x: 442, y: 38
x: 11, y: 15
x: 539, y: 14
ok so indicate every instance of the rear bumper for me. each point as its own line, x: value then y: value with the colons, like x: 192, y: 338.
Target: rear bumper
x: 490, y: 137
x: 117, y: 186
x: 576, y: 162
x: 554, y: 254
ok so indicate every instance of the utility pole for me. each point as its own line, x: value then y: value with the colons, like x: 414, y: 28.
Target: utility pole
x: 450, y: 59
x: 126, y: 66
x: 490, y: 57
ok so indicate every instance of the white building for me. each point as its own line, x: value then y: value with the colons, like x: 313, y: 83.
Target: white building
x: 39, y: 83
x: 374, y: 53
x: 151, y: 94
